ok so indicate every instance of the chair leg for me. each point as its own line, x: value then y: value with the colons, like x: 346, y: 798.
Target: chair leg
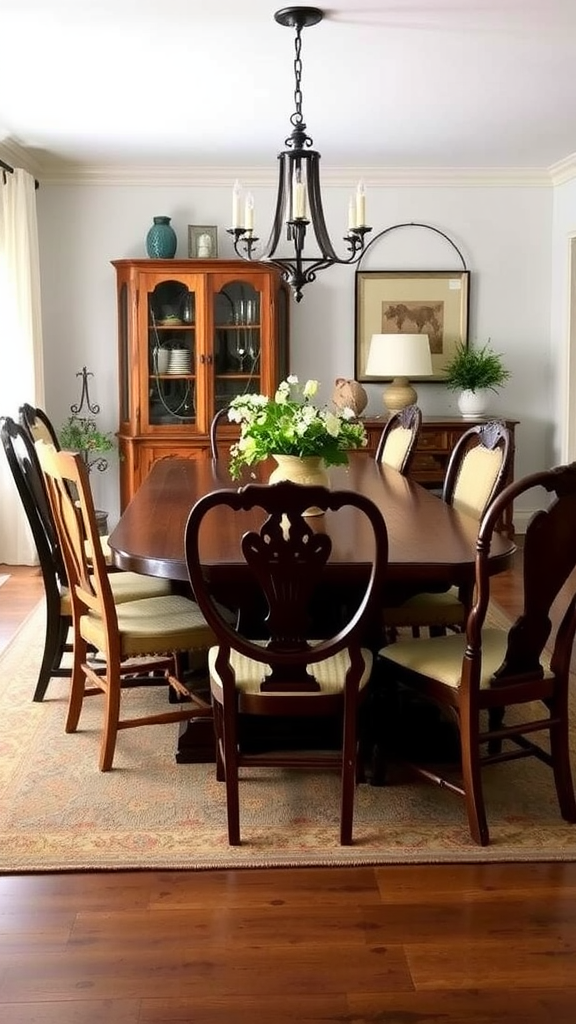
x: 219, y: 736
x: 230, y: 746
x: 77, y: 683
x: 54, y: 646
x: 495, y: 720
x: 471, y: 771
x: 560, y: 751
x: 349, y: 756
x: 113, y: 692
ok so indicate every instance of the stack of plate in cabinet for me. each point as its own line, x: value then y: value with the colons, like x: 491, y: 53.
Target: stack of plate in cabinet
x: 179, y: 361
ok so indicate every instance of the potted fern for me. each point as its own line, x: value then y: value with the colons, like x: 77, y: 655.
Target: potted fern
x: 473, y: 372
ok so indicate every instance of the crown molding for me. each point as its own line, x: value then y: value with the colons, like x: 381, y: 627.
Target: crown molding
x: 51, y: 171
x: 224, y: 177
x: 18, y: 156
x: 564, y: 170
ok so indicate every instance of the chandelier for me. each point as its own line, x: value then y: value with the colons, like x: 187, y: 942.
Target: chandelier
x: 299, y: 201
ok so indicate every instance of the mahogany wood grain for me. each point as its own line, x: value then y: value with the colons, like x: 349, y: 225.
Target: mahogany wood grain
x: 457, y: 943
x: 429, y: 541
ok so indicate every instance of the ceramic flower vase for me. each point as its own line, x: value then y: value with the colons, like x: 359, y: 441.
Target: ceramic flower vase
x: 473, y: 403
x: 161, y: 240
x: 301, y: 469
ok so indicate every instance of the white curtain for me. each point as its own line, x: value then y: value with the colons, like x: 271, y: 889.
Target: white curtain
x: 22, y: 368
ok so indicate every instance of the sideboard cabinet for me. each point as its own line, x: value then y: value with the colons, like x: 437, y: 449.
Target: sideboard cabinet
x: 192, y: 334
x: 437, y: 439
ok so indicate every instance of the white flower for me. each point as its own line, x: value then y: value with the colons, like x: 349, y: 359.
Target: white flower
x: 332, y: 423
x: 291, y: 379
x: 347, y: 413
x: 310, y: 388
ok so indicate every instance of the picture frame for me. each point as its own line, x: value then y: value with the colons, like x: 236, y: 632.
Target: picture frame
x: 433, y: 302
x: 202, y: 242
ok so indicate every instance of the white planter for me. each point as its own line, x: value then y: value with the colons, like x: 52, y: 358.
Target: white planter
x: 473, y: 403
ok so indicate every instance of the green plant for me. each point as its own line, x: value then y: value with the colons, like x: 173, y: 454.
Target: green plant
x: 289, y: 424
x: 473, y: 369
x: 80, y: 434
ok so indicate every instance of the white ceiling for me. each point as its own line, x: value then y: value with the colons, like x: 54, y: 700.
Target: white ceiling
x: 210, y: 83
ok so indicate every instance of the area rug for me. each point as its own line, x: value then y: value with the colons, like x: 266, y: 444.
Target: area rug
x: 58, y: 812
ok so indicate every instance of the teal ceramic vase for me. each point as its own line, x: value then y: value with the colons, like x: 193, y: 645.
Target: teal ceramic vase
x: 161, y: 240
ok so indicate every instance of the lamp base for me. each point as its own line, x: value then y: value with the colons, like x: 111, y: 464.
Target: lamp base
x: 399, y: 394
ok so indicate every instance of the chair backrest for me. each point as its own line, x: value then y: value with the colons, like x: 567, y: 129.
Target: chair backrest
x: 65, y: 474
x: 478, y: 468
x: 38, y: 425
x: 219, y: 415
x: 548, y: 562
x: 26, y: 471
x: 397, y: 444
x: 286, y: 557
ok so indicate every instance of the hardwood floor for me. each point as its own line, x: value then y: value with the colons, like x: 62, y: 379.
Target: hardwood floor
x: 390, y: 945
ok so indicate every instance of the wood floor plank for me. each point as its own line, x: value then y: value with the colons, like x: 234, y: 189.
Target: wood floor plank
x: 549, y: 962
x: 469, y: 1006
x: 265, y: 888
x: 401, y: 883
x: 216, y: 1009
x: 100, y: 1011
x: 124, y: 973
x: 246, y: 926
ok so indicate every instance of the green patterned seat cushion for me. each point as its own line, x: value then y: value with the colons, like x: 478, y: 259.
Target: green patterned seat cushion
x: 330, y: 674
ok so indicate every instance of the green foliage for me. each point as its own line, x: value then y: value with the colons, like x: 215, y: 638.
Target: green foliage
x: 289, y: 424
x: 473, y: 369
x: 80, y: 434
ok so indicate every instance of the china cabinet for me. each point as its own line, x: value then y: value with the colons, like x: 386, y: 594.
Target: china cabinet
x: 192, y: 334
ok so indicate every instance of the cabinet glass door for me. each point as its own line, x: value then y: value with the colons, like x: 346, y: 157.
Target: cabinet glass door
x: 237, y: 342
x: 171, y: 312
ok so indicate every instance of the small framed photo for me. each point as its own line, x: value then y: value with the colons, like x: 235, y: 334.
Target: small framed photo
x: 428, y: 302
x: 202, y: 241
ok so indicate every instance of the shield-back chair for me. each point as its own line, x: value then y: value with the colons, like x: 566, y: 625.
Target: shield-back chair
x: 286, y: 672
x: 503, y: 686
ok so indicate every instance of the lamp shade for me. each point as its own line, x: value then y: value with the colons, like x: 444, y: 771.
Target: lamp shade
x: 399, y: 355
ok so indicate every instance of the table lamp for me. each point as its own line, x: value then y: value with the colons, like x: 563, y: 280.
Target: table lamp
x: 399, y: 356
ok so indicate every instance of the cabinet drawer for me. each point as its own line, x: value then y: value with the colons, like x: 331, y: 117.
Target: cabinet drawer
x: 434, y: 440
x: 427, y: 468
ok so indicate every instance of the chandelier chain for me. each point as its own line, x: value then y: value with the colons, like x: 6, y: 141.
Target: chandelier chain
x: 296, y: 117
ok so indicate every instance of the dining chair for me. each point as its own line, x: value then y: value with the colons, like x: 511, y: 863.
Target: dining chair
x: 216, y: 419
x: 126, y: 586
x: 477, y: 471
x: 484, y: 676
x: 286, y: 673
x: 137, y: 629
x: 38, y: 424
x: 40, y: 428
x: 397, y: 444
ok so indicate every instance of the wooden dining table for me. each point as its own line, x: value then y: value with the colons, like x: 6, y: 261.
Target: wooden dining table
x: 430, y: 543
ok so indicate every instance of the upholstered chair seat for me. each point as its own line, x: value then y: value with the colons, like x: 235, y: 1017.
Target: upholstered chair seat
x: 330, y: 674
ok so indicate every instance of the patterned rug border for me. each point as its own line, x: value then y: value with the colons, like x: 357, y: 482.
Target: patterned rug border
x: 38, y: 843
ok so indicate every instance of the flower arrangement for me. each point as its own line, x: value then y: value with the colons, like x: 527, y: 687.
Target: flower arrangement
x: 289, y: 424
x: 472, y: 369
